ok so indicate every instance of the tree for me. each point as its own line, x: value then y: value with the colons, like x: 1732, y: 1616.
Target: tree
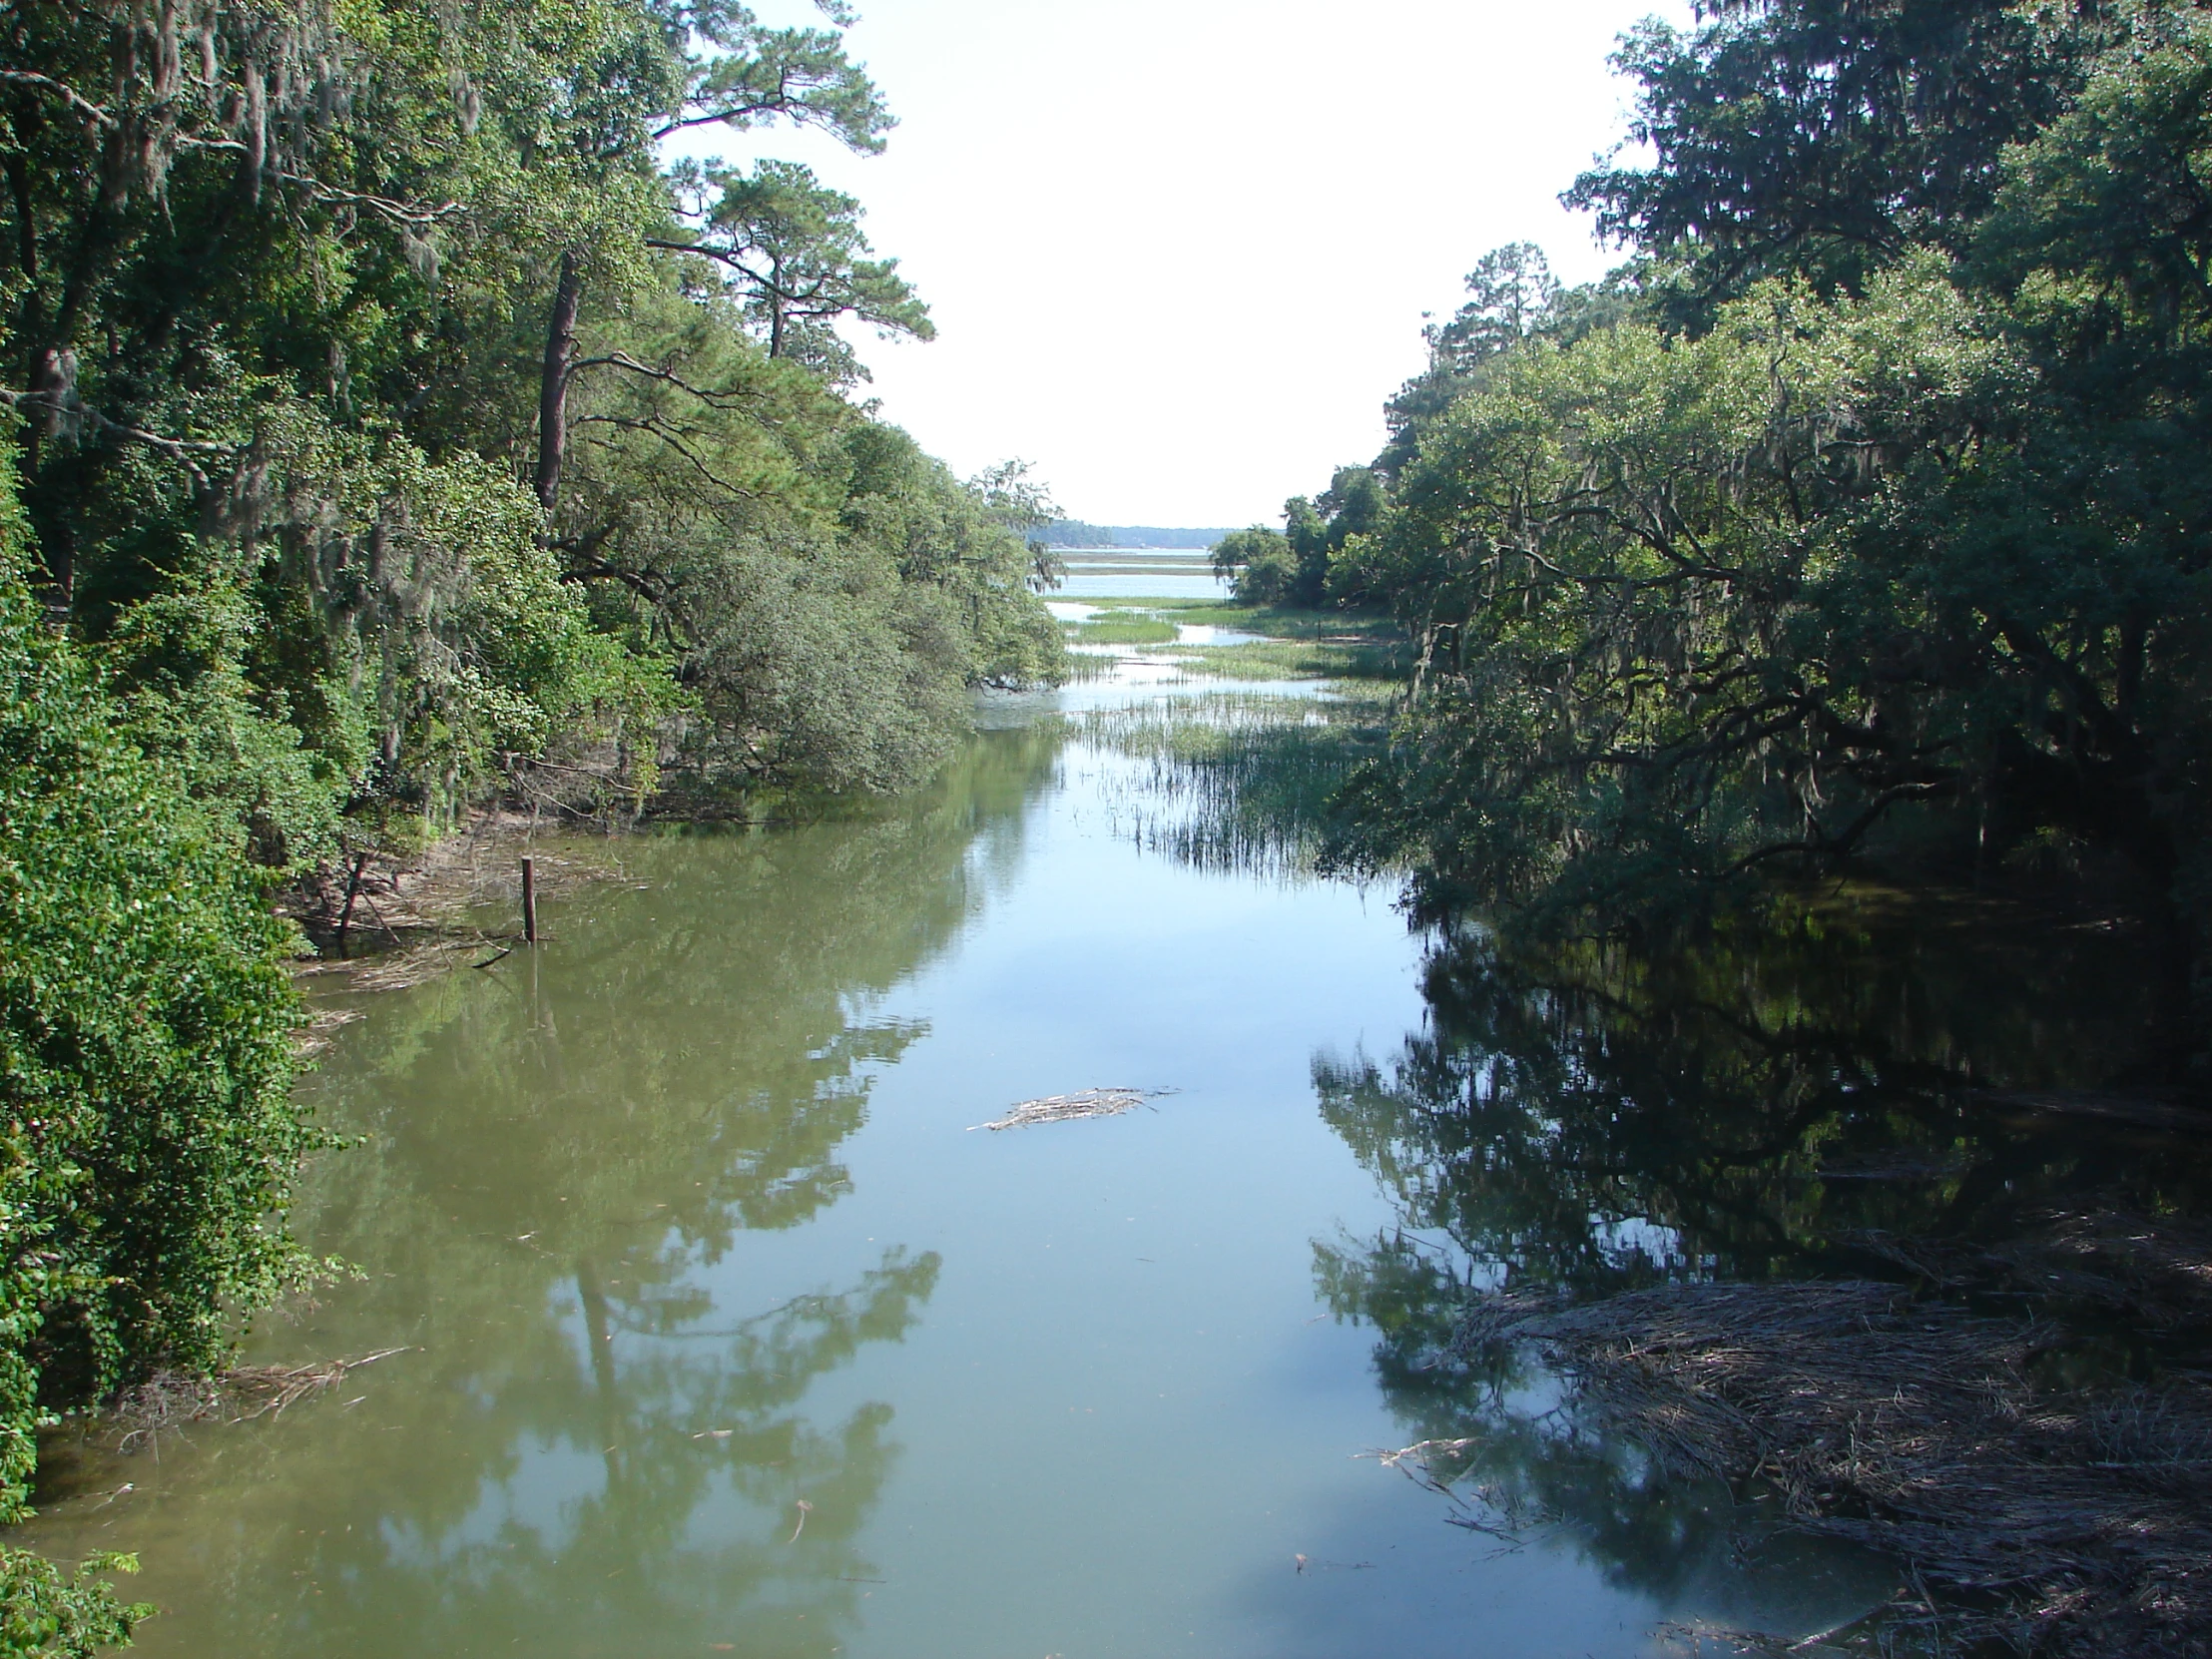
x: 1824, y: 139
x: 752, y: 77
x: 373, y: 464
x: 793, y: 252
x: 148, y: 1136
x: 366, y: 434
x: 1258, y: 564
x: 1894, y: 551
x: 1510, y: 293
x: 1024, y: 505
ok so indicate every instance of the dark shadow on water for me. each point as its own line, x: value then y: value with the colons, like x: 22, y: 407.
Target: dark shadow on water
x: 1770, y: 1106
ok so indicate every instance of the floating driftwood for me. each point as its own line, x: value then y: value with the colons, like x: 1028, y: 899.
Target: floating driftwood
x: 1083, y: 1103
x: 166, y: 1401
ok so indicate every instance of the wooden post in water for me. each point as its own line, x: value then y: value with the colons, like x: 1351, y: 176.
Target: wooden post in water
x: 530, y: 900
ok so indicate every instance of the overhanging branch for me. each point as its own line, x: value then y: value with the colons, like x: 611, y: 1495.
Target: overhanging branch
x: 180, y: 451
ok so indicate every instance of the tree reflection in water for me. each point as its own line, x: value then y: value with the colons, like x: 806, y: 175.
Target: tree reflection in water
x: 596, y: 1438
x: 1597, y: 1119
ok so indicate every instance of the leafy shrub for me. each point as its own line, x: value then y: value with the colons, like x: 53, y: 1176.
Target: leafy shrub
x: 43, y: 1612
x: 147, y: 1131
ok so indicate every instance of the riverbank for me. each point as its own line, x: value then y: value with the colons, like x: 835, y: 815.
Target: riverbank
x: 384, y: 920
x: 715, y: 1134
x: 2039, y: 1494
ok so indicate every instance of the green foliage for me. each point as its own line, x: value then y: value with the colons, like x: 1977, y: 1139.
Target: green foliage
x: 1258, y: 564
x: 148, y: 1138
x: 1795, y: 136
x: 384, y: 436
x: 42, y: 1612
x: 795, y: 253
x: 395, y: 422
x: 1864, y: 512
x: 146, y: 1020
x: 1319, y: 557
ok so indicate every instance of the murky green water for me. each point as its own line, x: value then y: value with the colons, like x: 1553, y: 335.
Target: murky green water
x: 726, y: 1332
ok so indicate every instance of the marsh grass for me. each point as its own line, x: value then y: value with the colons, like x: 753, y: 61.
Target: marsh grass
x: 1086, y: 666
x: 1295, y: 645
x: 1120, y: 625
x: 1295, y: 659
x: 1287, y: 622
x: 1161, y: 603
x: 1234, y: 781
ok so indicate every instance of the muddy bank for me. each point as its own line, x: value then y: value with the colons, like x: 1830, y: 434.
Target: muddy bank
x: 384, y: 920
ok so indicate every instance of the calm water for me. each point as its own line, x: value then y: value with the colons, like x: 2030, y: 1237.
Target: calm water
x: 727, y: 1333
x: 1127, y: 572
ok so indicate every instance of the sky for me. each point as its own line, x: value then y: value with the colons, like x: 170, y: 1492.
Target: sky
x: 1178, y: 252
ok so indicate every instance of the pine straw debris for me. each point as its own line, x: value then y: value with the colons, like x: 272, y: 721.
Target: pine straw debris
x: 2029, y: 1520
x: 2152, y: 1275
x: 168, y: 1401
x: 1064, y: 1108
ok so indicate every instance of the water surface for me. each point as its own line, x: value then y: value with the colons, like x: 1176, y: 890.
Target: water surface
x: 729, y: 1331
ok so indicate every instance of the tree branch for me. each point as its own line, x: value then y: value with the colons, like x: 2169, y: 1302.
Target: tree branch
x: 660, y: 430
x: 76, y: 100
x: 1836, y: 846
x: 623, y: 359
x: 399, y: 213
x: 600, y: 571
x: 180, y: 451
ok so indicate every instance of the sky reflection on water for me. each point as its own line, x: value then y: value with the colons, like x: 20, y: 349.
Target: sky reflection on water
x: 729, y: 1333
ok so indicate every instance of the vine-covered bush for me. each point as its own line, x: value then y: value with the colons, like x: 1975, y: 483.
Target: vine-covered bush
x: 147, y: 1132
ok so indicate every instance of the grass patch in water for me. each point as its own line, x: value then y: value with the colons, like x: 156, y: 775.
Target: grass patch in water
x: 1283, y: 622
x: 1297, y: 644
x: 1121, y: 625
x: 1085, y: 666
x: 1162, y: 603
x: 1236, y: 781
x: 1297, y: 659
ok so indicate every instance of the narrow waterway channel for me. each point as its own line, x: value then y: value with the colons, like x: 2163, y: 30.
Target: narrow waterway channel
x: 727, y: 1330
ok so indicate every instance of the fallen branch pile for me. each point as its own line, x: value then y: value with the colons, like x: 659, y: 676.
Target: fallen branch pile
x: 387, y: 922
x: 2032, y: 1518
x: 166, y: 1401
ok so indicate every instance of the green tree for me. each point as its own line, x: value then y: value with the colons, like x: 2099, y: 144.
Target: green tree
x: 1258, y: 564
x: 148, y: 1138
x: 1860, y: 516
x: 795, y: 253
x: 371, y: 427
x: 1808, y: 137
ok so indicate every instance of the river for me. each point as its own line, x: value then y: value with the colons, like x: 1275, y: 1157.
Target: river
x: 727, y: 1330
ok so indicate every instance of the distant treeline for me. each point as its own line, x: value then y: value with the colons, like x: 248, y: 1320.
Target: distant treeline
x: 1074, y: 532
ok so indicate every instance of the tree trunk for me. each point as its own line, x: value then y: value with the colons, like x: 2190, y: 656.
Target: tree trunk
x: 775, y: 307
x: 560, y: 355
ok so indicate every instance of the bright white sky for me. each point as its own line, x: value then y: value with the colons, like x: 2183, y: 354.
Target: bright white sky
x: 1178, y: 250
